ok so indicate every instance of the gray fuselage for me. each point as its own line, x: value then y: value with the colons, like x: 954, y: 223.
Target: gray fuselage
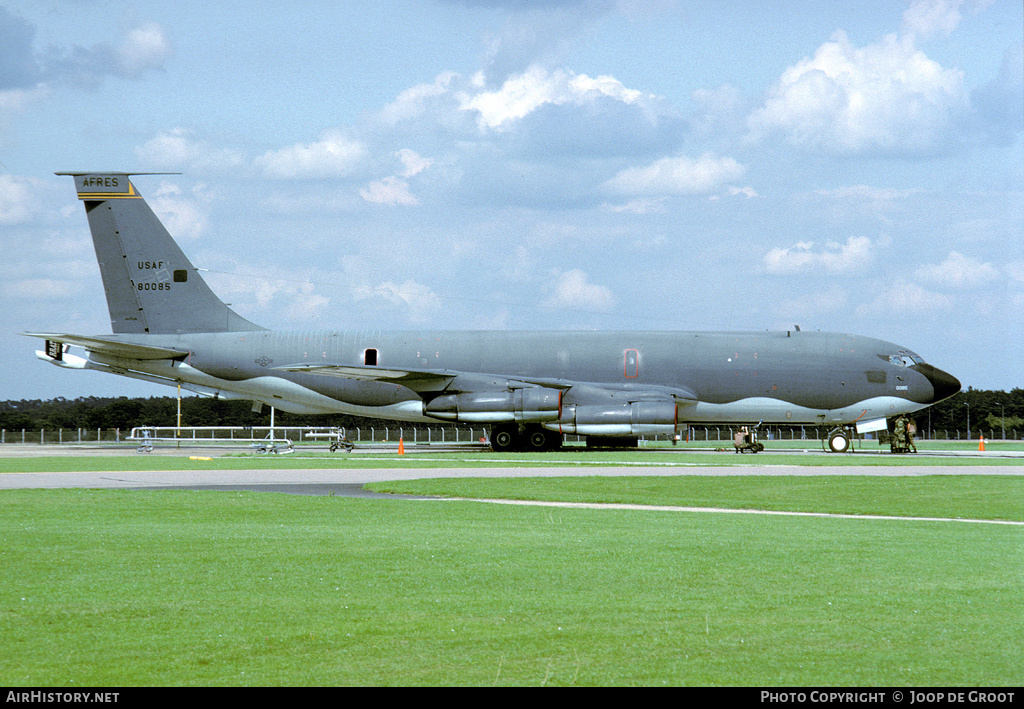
x: 794, y: 377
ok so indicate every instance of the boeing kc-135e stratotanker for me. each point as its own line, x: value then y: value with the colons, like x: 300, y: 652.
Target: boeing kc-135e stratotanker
x: 530, y: 387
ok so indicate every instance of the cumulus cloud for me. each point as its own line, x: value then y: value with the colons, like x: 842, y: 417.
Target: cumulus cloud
x: 144, y: 48
x: 178, y: 148
x: 290, y: 291
x: 334, y: 155
x: 306, y: 303
x: 420, y: 301
x: 572, y: 289
x: 676, y: 176
x: 184, y: 217
x: 421, y: 98
x: 868, y: 193
x: 903, y: 299
x: 395, y: 190
x: 855, y: 254
x: 959, y: 271
x: 412, y: 162
x: 886, y: 97
x: 522, y: 94
x: 28, y: 77
x: 924, y: 18
x: 18, y: 202
x: 390, y: 190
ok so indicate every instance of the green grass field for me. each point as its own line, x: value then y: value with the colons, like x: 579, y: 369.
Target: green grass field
x: 984, y: 497
x: 127, y: 588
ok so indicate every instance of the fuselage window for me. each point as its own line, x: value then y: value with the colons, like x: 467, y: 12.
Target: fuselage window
x: 370, y: 358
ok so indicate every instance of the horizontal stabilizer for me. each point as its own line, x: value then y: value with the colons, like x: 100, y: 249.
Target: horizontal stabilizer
x: 112, y: 348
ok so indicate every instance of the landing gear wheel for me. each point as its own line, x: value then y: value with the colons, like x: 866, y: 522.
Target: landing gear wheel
x: 540, y: 439
x: 504, y: 438
x: 838, y: 441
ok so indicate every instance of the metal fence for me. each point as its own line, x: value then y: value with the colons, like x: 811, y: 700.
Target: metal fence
x: 441, y: 434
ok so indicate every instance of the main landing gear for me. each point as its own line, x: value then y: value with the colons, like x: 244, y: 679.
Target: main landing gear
x: 514, y: 437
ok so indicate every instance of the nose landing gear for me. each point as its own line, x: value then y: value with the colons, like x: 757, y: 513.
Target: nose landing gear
x: 838, y: 440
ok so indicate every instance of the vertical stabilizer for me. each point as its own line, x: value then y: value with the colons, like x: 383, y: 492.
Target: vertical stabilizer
x: 151, y: 286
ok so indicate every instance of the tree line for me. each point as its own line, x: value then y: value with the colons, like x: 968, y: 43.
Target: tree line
x: 123, y: 413
x: 974, y: 411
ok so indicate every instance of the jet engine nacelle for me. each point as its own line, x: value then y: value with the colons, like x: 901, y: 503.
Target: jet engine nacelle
x: 526, y: 405
x: 640, y: 418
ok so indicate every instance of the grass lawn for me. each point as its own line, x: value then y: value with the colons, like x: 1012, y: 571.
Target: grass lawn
x: 126, y: 588
x: 989, y: 497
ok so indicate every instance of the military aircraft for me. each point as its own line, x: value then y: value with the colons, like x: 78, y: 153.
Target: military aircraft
x: 531, y: 387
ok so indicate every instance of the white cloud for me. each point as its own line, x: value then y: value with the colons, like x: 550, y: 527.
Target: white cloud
x: 390, y: 190
x: 420, y: 300
x: 640, y: 206
x: 571, y: 289
x: 18, y: 203
x: 903, y: 299
x: 416, y: 100
x: 959, y: 271
x: 291, y: 293
x: 855, y: 254
x: 868, y: 193
x: 177, y: 148
x: 183, y: 217
x: 305, y: 303
x: 676, y: 175
x: 144, y: 48
x: 887, y: 96
x: 334, y: 155
x: 748, y: 192
x: 394, y: 189
x: 928, y: 17
x: 524, y: 93
x: 413, y: 163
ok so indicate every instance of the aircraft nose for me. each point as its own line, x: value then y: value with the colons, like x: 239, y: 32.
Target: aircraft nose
x: 944, y: 384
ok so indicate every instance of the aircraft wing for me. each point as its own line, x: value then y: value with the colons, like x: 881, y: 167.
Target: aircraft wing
x: 406, y: 377
x: 113, y: 348
x: 459, y: 381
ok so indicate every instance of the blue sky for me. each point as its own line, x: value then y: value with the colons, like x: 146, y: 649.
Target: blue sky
x: 577, y: 164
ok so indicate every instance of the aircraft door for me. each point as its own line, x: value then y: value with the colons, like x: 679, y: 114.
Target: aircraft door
x: 631, y: 367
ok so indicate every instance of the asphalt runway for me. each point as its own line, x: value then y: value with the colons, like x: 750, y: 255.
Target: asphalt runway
x: 348, y: 482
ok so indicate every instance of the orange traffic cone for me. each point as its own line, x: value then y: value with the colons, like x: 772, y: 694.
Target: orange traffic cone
x: 981, y: 443
x: 401, y: 447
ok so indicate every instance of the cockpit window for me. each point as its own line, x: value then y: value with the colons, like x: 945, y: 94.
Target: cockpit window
x: 902, y: 359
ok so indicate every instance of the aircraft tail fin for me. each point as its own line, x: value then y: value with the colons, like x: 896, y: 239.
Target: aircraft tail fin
x: 151, y: 285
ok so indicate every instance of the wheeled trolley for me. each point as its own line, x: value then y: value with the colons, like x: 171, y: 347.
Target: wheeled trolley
x: 746, y: 440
